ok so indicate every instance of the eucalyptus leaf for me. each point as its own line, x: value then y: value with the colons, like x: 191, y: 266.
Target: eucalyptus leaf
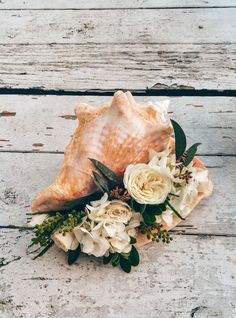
x: 134, y: 256
x: 100, y: 183
x: 180, y: 139
x: 149, y: 218
x: 142, y: 208
x: 125, y: 264
x: 73, y: 255
x: 81, y: 202
x: 105, y: 171
x: 133, y: 240
x: 50, y: 244
x: 115, y: 259
x: 156, y: 209
x: 107, y: 259
x: 190, y: 154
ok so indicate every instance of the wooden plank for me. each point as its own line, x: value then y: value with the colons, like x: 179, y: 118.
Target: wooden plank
x: 112, y: 4
x: 24, y: 175
x: 45, y: 123
x: 118, y: 26
x: 193, y: 276
x: 91, y: 66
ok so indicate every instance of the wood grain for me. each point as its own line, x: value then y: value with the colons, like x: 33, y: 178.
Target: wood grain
x: 113, y: 4
x: 118, y: 26
x: 192, y: 276
x: 76, y: 67
x: 45, y: 123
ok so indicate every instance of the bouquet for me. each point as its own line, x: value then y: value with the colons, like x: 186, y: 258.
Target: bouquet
x: 125, y: 182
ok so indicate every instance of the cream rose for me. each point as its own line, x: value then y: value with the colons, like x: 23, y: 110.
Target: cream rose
x: 147, y: 184
x: 119, y: 211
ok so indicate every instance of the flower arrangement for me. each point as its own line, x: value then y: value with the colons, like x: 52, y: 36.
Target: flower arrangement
x: 150, y: 200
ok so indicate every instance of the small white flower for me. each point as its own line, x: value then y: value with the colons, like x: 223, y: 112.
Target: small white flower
x: 107, y: 227
x: 147, y: 184
x: 92, y: 243
x: 120, y: 243
x: 65, y: 242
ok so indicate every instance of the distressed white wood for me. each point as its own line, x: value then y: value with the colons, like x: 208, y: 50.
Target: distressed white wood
x: 192, y: 277
x: 24, y: 175
x: 45, y: 123
x: 118, y: 26
x: 110, y: 66
x: 101, y: 4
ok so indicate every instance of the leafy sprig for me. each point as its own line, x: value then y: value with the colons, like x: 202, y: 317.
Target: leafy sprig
x: 183, y: 155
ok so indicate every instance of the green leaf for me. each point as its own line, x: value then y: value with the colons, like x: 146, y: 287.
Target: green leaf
x: 142, y: 208
x: 138, y: 207
x: 73, y: 255
x: 174, y: 210
x: 133, y: 240
x: 149, y: 218
x: 125, y: 264
x: 105, y: 171
x: 180, y: 139
x: 190, y: 154
x: 81, y: 202
x: 115, y: 259
x: 100, y: 183
x: 134, y: 256
x: 50, y: 244
x: 107, y: 259
x: 156, y: 209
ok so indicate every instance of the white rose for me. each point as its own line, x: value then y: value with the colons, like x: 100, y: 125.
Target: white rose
x: 65, y: 242
x: 147, y: 184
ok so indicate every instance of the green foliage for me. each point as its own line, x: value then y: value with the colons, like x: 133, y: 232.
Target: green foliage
x: 155, y: 232
x: 190, y: 153
x: 124, y: 260
x: 81, y: 202
x: 134, y: 256
x: 100, y: 182
x: 73, y: 255
x: 180, y: 139
x: 43, y: 251
x: 61, y: 223
x: 106, y: 172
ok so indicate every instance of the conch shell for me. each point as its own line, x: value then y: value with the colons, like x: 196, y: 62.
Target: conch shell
x: 117, y: 135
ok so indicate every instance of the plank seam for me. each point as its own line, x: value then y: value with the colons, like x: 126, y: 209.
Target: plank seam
x: 118, y: 8
x: 145, y: 92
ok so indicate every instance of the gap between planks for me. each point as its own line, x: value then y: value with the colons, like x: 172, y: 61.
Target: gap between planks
x: 145, y: 92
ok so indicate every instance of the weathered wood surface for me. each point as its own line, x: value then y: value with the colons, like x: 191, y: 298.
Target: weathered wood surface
x: 110, y: 66
x: 193, y: 277
x: 71, y: 45
x: 118, y: 26
x: 112, y: 4
x: 24, y: 175
x: 45, y: 123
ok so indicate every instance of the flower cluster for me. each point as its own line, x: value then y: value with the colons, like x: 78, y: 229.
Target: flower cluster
x: 151, y: 199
